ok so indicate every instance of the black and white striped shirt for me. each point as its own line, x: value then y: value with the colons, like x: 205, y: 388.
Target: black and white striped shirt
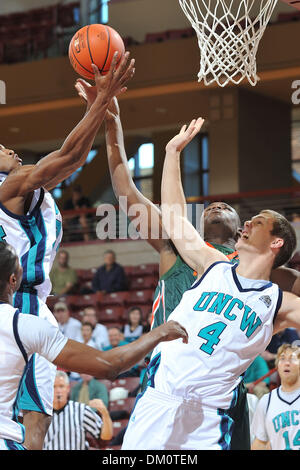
x: 69, y: 425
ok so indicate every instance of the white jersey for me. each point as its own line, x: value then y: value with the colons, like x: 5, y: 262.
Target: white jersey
x: 36, y: 237
x: 21, y: 336
x: 229, y: 320
x: 277, y: 419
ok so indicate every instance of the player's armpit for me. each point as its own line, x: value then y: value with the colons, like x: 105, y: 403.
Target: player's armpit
x: 289, y: 313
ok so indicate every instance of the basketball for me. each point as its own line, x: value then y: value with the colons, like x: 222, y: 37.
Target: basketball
x: 95, y: 43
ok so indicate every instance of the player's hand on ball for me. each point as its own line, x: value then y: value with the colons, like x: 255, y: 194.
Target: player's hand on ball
x: 185, y: 136
x: 173, y: 330
x: 113, y: 83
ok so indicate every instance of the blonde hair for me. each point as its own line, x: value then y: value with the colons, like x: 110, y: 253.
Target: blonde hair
x: 284, y: 347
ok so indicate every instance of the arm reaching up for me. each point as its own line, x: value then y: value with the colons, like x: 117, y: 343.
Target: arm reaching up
x: 187, y: 240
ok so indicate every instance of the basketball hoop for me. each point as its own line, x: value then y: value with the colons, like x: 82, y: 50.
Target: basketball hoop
x: 229, y: 32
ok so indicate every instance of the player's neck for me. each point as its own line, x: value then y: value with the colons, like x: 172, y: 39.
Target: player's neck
x: 227, y: 243
x: 286, y: 387
x: 254, y: 266
x: 6, y: 297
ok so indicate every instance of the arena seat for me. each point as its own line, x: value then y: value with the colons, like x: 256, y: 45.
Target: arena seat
x: 144, y: 270
x: 143, y: 282
x: 119, y: 425
x: 293, y: 16
x: 85, y: 274
x: 140, y: 297
x: 78, y: 302
x: 129, y: 383
x: 181, y: 33
x: 66, y: 16
x: 110, y: 314
x: 113, y: 298
x: 125, y: 404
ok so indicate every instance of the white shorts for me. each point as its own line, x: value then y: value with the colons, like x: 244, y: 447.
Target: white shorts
x: 164, y: 422
x: 7, y: 444
x: 38, y: 383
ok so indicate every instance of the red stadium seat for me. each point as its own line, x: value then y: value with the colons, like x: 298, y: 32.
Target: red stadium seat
x: 113, y: 298
x: 119, y: 425
x: 78, y: 302
x: 143, y: 282
x: 129, y: 383
x: 125, y: 404
x: 85, y: 275
x: 110, y: 314
x: 144, y: 270
x: 140, y: 297
x: 181, y: 33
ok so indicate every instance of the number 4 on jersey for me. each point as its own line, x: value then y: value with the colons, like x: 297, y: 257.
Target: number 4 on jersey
x: 211, y: 334
x: 2, y: 234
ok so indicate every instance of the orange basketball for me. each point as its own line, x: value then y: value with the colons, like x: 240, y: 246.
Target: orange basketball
x: 94, y: 43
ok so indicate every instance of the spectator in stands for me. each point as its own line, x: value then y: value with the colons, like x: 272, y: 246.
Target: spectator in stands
x: 73, y: 420
x: 78, y: 226
x: 89, y: 389
x: 110, y: 277
x: 116, y: 338
x: 147, y: 326
x: 63, y: 278
x: 87, y: 333
x: 257, y: 369
x: 100, y: 333
x: 69, y: 326
x: 133, y: 329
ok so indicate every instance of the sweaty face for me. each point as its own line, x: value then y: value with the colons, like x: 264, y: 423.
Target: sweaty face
x: 220, y: 215
x: 9, y: 160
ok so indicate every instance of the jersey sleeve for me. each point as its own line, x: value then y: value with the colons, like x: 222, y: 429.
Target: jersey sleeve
x: 92, y: 422
x: 258, y: 425
x: 39, y: 336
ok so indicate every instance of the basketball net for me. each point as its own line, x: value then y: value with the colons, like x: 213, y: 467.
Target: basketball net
x: 229, y: 32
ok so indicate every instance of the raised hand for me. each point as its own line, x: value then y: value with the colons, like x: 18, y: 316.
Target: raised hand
x: 113, y: 83
x: 86, y: 91
x: 185, y: 136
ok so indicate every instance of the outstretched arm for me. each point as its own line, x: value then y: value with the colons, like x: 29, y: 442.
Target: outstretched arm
x: 109, y: 364
x: 288, y: 279
x: 187, y: 240
x: 56, y: 166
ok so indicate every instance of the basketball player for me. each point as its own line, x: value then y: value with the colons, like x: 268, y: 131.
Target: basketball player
x: 22, y: 335
x: 276, y: 419
x: 30, y: 221
x: 191, y: 389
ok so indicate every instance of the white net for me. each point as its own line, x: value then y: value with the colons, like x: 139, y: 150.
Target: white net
x: 229, y: 32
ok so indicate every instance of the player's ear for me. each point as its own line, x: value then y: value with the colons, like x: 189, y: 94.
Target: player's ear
x: 238, y: 233
x: 277, y: 243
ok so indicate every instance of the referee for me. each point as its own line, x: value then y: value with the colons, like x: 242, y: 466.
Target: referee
x: 72, y: 420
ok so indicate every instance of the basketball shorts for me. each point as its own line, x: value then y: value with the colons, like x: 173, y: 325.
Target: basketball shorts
x: 163, y: 422
x: 7, y: 444
x: 38, y: 383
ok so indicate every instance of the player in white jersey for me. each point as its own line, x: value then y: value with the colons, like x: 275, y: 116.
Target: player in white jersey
x: 230, y: 314
x: 276, y: 421
x: 30, y: 221
x: 23, y: 335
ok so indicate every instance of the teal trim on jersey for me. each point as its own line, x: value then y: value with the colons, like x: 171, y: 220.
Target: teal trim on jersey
x: 58, y: 227
x: 13, y: 445
x: 31, y: 400
x: 25, y: 302
x: 152, y: 369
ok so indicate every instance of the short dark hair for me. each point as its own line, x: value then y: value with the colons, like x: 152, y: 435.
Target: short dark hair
x: 110, y: 252
x: 8, y: 263
x: 283, y: 229
x: 87, y: 323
